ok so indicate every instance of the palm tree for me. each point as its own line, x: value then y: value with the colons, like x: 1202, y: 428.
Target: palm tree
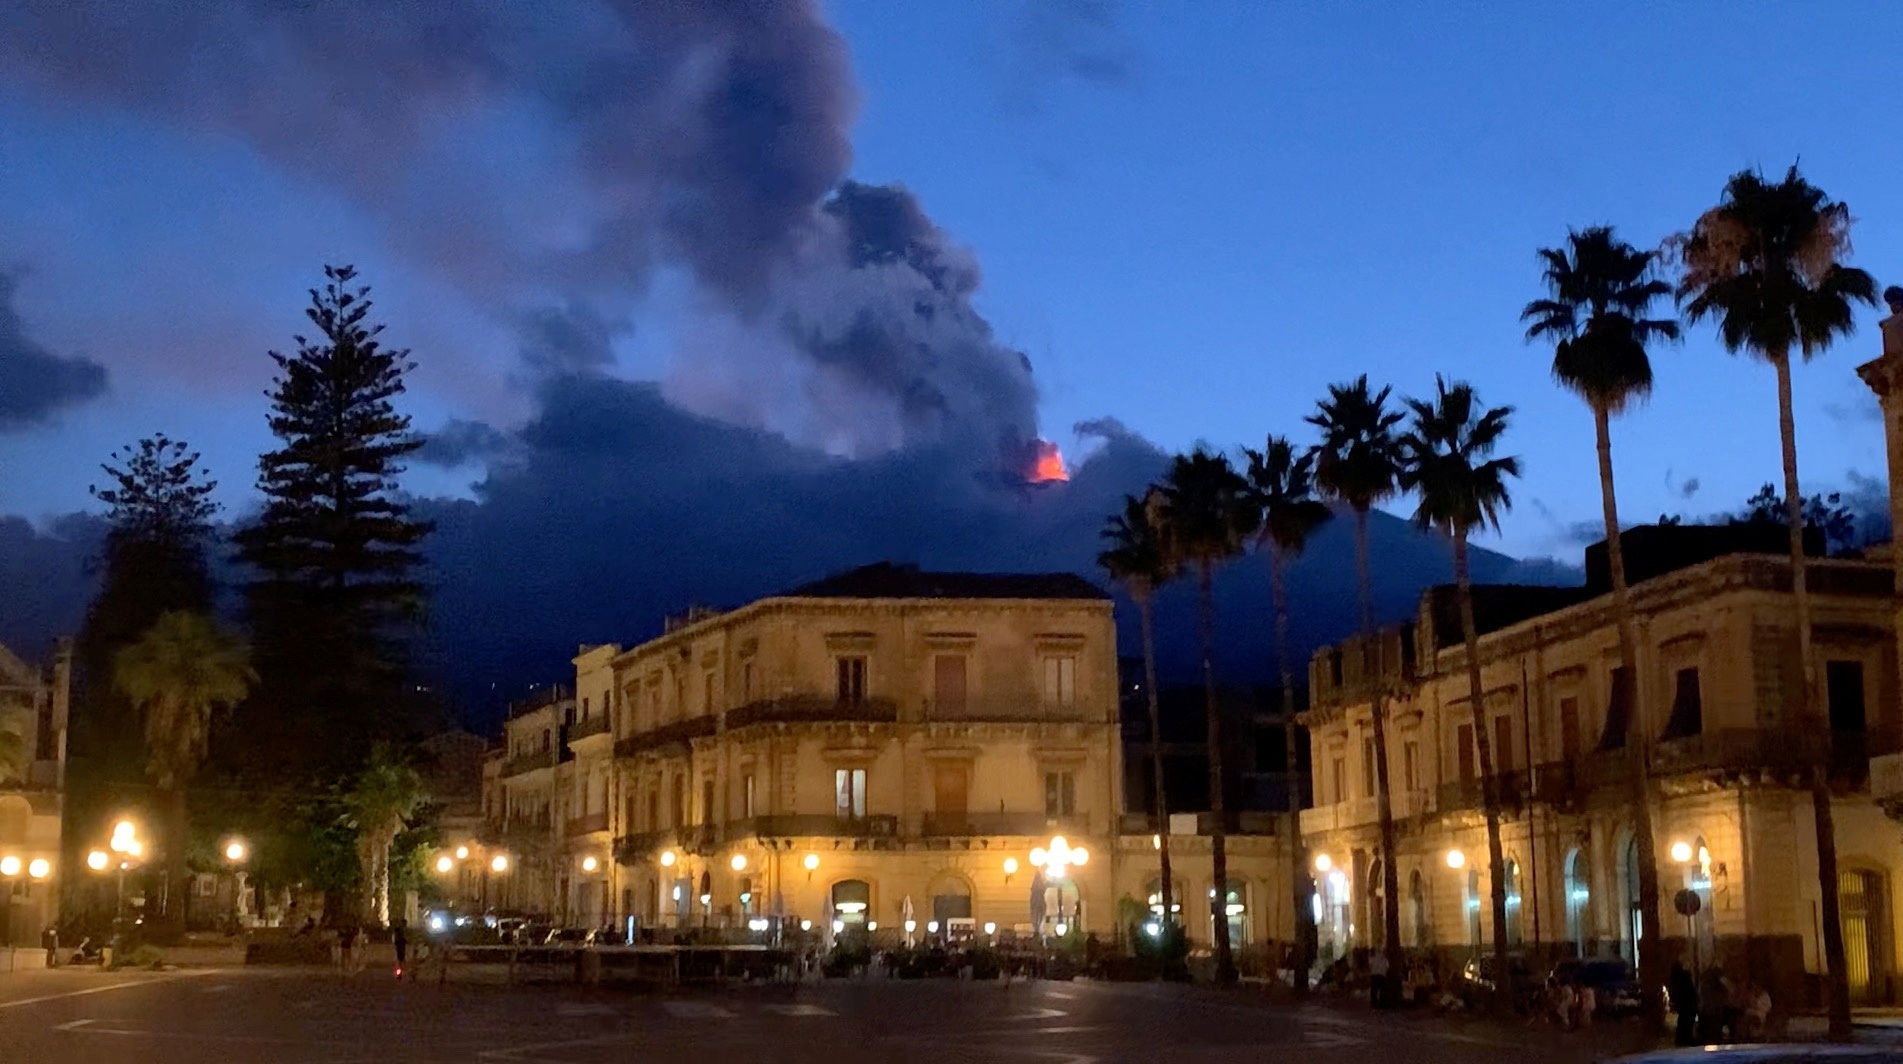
x: 1766, y: 265
x: 1282, y: 489
x: 1446, y: 462
x: 1358, y: 462
x: 1137, y: 560
x: 1206, y: 519
x: 1600, y: 294
x: 383, y: 797
x: 178, y: 673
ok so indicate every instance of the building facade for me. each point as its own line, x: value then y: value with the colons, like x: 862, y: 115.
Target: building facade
x: 1719, y: 713
x: 882, y: 746
x: 33, y: 715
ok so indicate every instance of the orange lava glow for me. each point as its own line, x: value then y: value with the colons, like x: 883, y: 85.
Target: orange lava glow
x: 1049, y: 465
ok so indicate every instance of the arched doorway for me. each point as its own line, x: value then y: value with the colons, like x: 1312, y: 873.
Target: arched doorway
x: 1062, y: 910
x: 1472, y: 902
x: 1235, y: 909
x: 1865, y: 921
x: 1629, y: 926
x: 1510, y: 870
x: 1333, y: 927
x: 1578, y: 896
x: 1154, y: 895
x: 1377, y: 907
x: 951, y: 904
x: 852, y: 904
x: 1417, y: 908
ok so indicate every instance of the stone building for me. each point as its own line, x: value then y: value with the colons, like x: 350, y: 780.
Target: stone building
x: 33, y: 715
x: 1718, y: 711
x: 882, y: 742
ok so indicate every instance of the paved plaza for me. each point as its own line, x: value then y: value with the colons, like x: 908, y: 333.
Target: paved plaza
x: 237, y: 1016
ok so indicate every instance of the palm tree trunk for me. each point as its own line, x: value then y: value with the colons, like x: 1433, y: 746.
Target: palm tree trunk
x: 1383, y: 796
x: 1147, y: 622
x: 1651, y: 958
x: 175, y: 872
x: 1299, y: 883
x: 1218, y: 835
x: 1836, y: 980
x: 1489, y: 793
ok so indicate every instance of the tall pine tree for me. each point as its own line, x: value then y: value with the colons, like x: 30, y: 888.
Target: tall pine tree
x: 154, y: 561
x: 336, y: 594
x: 159, y: 511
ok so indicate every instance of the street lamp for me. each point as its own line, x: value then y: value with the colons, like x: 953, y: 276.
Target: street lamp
x: 1323, y: 862
x: 739, y: 862
x: 1011, y: 865
x: 590, y: 863
x: 235, y: 853
x: 810, y: 862
x: 668, y: 857
x: 1682, y: 852
x: 9, y: 866
x: 444, y: 864
x: 97, y: 860
x: 39, y: 868
x: 462, y: 853
x: 1059, y: 857
x: 499, y: 863
x: 1456, y: 860
x: 235, y: 850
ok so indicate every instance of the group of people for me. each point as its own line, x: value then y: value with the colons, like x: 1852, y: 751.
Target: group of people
x: 1711, y: 1009
x: 1568, y: 1002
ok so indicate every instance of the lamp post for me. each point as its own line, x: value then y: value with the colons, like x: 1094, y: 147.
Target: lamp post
x: 126, y: 850
x: 1056, y: 859
x: 236, y: 853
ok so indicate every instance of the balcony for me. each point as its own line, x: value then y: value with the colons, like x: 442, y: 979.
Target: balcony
x: 1002, y: 711
x: 522, y: 763
x: 1236, y: 821
x: 676, y: 735
x: 781, y: 825
x: 587, y: 825
x: 970, y: 825
x: 587, y: 727
x: 813, y: 709
x: 641, y: 845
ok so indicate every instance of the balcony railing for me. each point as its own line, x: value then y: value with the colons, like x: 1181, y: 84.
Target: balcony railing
x: 813, y: 709
x: 521, y: 763
x: 676, y: 734
x: 588, y: 726
x: 1237, y: 821
x: 969, y: 825
x: 639, y: 846
x: 879, y: 826
x: 1030, y: 710
x: 587, y: 825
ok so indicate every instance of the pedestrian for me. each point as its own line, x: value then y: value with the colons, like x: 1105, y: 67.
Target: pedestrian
x: 1756, y: 1014
x: 347, y: 947
x: 1714, y: 1006
x: 1588, y: 1004
x: 400, y: 941
x: 1378, y: 980
x: 1684, y: 991
x: 1565, y: 1002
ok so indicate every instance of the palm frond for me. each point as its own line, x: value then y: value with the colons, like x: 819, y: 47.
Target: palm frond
x: 1448, y: 463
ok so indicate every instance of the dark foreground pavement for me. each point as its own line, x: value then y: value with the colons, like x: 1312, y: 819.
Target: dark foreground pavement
x: 239, y: 1016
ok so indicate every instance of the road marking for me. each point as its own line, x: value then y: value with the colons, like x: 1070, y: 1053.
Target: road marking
x: 1039, y: 1014
x: 696, y: 1010
x: 96, y: 990
x: 1061, y: 994
x: 72, y: 1026
x: 800, y: 1010
x: 1327, y: 1040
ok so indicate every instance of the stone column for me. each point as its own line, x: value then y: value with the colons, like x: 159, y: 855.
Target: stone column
x: 1884, y: 375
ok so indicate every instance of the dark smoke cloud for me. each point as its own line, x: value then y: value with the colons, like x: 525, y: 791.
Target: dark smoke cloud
x: 35, y: 383
x: 461, y: 442
x: 708, y: 136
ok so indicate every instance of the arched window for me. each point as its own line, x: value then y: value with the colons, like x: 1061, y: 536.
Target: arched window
x: 1154, y: 896
x: 1235, y: 908
x: 1578, y: 897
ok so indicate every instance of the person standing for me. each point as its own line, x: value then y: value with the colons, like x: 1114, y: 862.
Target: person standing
x: 400, y: 940
x: 1378, y: 979
x: 1684, y: 991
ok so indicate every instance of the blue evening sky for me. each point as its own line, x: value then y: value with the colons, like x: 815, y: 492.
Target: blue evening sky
x: 1192, y: 220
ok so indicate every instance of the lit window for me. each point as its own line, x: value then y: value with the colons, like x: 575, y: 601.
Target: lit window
x: 849, y: 789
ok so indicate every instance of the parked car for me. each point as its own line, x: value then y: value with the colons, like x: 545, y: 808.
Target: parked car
x: 1615, y: 985
x: 1770, y: 1053
x: 1478, y: 976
